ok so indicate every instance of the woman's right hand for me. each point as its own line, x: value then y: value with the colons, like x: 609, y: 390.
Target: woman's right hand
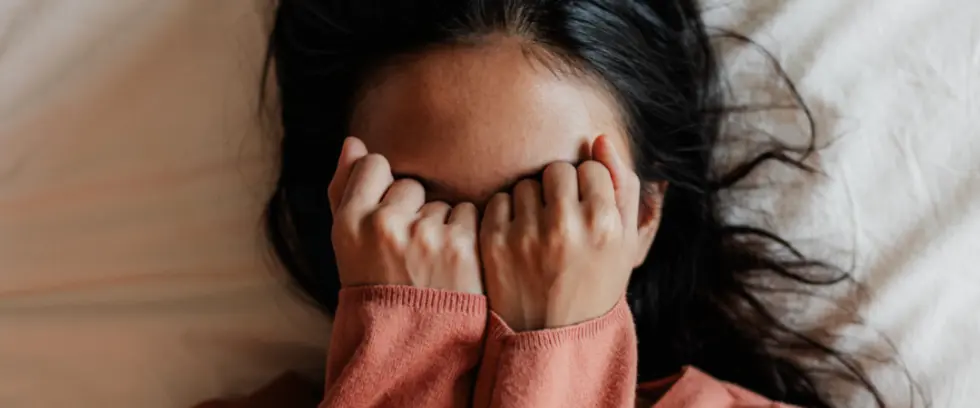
x: 384, y: 233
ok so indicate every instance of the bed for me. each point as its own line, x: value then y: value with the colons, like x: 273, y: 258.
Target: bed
x: 134, y: 168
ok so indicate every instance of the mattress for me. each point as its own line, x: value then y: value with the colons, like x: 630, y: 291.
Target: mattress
x: 134, y: 168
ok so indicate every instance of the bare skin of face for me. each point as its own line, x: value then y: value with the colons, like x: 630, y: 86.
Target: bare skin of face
x: 470, y: 121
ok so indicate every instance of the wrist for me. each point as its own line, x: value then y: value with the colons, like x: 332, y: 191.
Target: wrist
x: 618, y: 320
x: 563, y: 314
x: 523, y: 321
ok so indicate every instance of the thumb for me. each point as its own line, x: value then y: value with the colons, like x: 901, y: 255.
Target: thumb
x: 625, y: 181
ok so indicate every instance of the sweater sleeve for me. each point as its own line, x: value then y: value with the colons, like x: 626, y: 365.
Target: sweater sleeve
x: 592, y: 364
x: 695, y: 389
x: 398, y: 346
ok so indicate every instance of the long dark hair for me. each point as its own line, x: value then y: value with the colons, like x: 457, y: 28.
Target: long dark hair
x: 697, y: 297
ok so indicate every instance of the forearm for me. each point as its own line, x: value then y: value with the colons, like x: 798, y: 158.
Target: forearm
x: 592, y: 364
x: 402, y: 346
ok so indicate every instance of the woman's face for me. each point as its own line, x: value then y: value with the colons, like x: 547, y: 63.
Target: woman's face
x: 470, y: 121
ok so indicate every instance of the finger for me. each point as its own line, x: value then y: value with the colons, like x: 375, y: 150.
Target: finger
x: 494, y: 228
x: 465, y: 215
x: 625, y: 181
x: 497, y: 214
x: 367, y: 184
x: 594, y: 183
x: 527, y: 200
x: 560, y: 183
x: 352, y: 151
x: 405, y: 194
x: 436, y: 211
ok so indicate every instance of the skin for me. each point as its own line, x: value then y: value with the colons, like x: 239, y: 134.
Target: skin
x: 479, y: 164
x: 472, y: 121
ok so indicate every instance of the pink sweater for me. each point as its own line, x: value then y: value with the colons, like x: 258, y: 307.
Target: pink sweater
x: 410, y: 347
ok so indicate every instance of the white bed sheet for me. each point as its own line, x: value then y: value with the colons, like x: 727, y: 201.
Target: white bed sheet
x: 895, y: 87
x: 132, y: 178
x: 133, y: 172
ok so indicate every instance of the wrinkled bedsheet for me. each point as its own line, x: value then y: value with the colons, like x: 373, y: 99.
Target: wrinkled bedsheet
x: 133, y: 169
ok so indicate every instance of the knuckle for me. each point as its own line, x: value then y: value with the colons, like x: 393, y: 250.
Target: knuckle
x: 594, y: 170
x: 592, y: 166
x: 465, y: 208
x: 413, y: 186
x: 403, y: 184
x: 527, y: 186
x: 492, y: 238
x: 464, y: 260
x: 383, y: 220
x: 462, y: 248
x: 435, y: 209
x: 558, y: 170
x: 431, y: 240
x: 597, y: 210
x: 418, y: 228
x: 559, y: 210
x: 557, y: 237
x: 603, y: 224
x: 496, y: 208
x: 527, y: 243
x: 499, y: 246
x: 498, y: 199
x: 426, y: 237
x: 442, y: 206
x: 487, y: 231
x: 493, y: 248
x: 375, y: 162
x: 461, y: 233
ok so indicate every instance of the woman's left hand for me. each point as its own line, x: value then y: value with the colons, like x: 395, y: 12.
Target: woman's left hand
x: 561, y: 252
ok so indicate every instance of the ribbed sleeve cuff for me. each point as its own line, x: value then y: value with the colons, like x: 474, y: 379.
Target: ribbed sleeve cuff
x: 415, y: 298
x: 616, y: 318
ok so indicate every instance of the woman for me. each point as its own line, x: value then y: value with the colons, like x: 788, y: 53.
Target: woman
x: 529, y: 213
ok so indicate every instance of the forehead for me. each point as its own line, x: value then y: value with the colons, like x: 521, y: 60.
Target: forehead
x: 475, y: 119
